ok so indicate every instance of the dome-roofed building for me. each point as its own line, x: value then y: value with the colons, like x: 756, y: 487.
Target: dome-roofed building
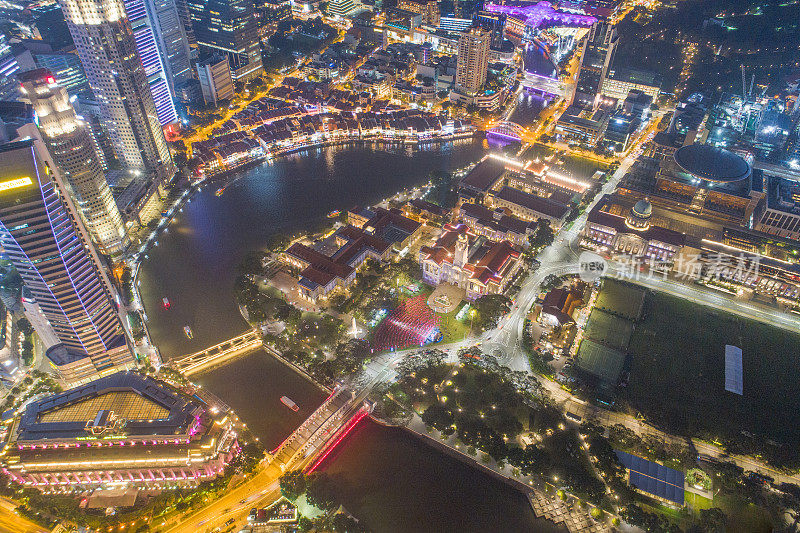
x: 713, y: 164
x: 639, y: 217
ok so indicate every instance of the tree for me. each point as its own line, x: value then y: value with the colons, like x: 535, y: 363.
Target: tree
x: 489, y: 309
x: 346, y: 524
x: 293, y: 484
x: 320, y: 493
x: 712, y: 520
x: 252, y: 264
x: 25, y: 326
x: 542, y: 235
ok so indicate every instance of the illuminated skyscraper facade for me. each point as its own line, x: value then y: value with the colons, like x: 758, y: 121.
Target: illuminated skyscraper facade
x: 228, y: 27
x: 108, y: 50
x: 473, y: 60
x: 71, y: 146
x: 152, y: 61
x: 598, y: 53
x: 45, y: 241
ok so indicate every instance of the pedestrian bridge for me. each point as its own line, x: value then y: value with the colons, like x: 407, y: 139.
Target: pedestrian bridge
x: 508, y: 130
x: 219, y: 353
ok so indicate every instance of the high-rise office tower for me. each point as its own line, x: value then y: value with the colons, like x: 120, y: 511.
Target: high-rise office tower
x: 214, y: 74
x: 46, y: 243
x: 429, y: 9
x: 186, y: 20
x: 49, y: 21
x: 107, y: 49
x: 494, y: 23
x: 153, y: 59
x: 458, y: 8
x: 228, y: 27
x: 70, y: 143
x: 473, y: 60
x: 171, y: 39
x: 598, y: 53
x: 160, y: 36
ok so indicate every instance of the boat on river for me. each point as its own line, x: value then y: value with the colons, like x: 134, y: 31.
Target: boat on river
x: 334, y: 214
x: 165, y: 303
x: 220, y: 191
x: 285, y: 400
x: 188, y: 331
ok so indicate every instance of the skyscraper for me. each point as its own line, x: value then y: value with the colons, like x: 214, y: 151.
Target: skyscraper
x: 107, y: 49
x: 598, y: 53
x: 153, y: 59
x: 46, y: 243
x: 494, y: 23
x: 73, y: 150
x: 215, y: 79
x: 228, y: 27
x: 171, y: 40
x: 473, y: 60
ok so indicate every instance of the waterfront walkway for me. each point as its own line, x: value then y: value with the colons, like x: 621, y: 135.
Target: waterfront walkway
x: 571, y: 512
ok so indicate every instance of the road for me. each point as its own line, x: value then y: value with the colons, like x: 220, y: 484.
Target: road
x: 262, y: 488
x: 11, y: 521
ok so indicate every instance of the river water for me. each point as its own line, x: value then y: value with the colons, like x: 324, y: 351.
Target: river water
x: 387, y: 477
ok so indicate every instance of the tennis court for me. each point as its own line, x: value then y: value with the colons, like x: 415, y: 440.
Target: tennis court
x: 600, y: 361
x: 608, y: 329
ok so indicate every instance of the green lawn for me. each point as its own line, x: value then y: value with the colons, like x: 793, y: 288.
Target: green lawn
x: 743, y: 516
x: 677, y: 378
x: 697, y: 503
x: 452, y: 329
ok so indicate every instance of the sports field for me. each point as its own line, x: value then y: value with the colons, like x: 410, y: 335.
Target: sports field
x: 608, y: 329
x: 620, y: 298
x: 677, y: 378
x: 600, y: 361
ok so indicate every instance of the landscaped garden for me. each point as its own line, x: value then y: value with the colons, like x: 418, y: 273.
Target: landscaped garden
x: 489, y: 410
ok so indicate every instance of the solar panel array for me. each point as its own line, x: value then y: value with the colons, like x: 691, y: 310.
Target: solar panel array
x: 734, y: 382
x: 653, y: 478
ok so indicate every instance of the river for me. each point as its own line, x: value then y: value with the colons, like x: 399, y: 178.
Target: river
x: 387, y: 477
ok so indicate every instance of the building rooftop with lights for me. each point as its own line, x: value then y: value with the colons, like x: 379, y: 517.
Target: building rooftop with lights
x: 469, y: 261
x: 123, y: 429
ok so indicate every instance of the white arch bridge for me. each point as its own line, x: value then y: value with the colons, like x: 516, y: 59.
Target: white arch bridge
x: 507, y: 130
x: 219, y: 353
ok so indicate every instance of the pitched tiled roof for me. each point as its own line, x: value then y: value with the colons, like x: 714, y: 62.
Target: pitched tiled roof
x: 533, y: 202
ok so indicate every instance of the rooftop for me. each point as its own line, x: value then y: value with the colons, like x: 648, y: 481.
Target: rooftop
x: 148, y: 407
x: 533, y: 202
x: 712, y: 163
x: 484, y: 175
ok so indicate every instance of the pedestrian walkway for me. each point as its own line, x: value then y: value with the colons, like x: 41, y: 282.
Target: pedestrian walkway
x: 575, y: 518
x: 572, y: 513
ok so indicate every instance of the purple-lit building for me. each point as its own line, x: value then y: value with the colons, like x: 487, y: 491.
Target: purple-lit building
x: 541, y: 15
x: 122, y: 430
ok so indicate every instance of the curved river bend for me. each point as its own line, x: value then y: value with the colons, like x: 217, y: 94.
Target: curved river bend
x: 386, y: 476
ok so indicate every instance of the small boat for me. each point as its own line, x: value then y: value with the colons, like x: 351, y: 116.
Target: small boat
x: 220, y: 191
x: 334, y: 214
x: 165, y: 303
x: 285, y: 400
x: 188, y: 331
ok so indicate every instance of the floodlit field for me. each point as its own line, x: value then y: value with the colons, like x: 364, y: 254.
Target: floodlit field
x: 609, y: 329
x: 601, y: 361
